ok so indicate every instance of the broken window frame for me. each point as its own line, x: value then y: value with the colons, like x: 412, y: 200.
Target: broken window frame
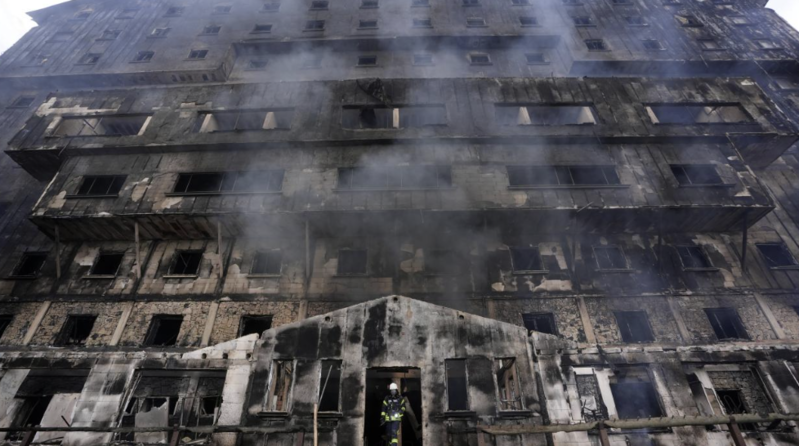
x: 197, y: 54
x: 88, y: 126
x: 104, y: 256
x: 536, y: 59
x: 650, y: 391
x: 155, y: 325
x: 23, y: 419
x: 5, y: 322
x: 271, y: 387
x: 66, y: 336
x: 545, y: 115
x: 89, y: 187
x: 602, y: 410
x: 561, y: 177
x: 788, y: 261
x: 230, y: 183
x: 512, y: 401
x: 350, y: 271
x: 533, y: 252
x: 143, y: 57
x: 41, y: 258
x: 731, y: 329
x: 625, y: 321
x: 270, y: 119
x: 596, y: 45
x: 466, y: 407
x: 183, y: 261
x: 261, y: 319
x: 696, y: 253
x: 333, y: 380
x: 387, y: 178
x: 257, y: 263
x: 625, y: 265
x: 533, y: 320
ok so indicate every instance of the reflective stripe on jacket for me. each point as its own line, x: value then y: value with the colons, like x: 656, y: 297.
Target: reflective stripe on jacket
x: 393, y: 408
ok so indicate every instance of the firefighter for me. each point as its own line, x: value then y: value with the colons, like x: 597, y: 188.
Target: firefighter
x: 391, y: 417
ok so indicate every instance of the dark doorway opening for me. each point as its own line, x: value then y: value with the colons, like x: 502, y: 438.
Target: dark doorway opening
x: 410, y: 384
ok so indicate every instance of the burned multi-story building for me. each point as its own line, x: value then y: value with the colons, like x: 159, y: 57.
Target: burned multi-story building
x: 551, y: 222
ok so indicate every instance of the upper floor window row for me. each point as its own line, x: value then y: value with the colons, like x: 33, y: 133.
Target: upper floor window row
x: 396, y: 117
x: 101, y: 126
x: 531, y: 176
x: 244, y: 120
x: 229, y: 182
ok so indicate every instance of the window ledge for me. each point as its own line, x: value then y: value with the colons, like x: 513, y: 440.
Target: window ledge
x: 330, y: 415
x: 100, y: 276
x: 784, y: 268
x: 701, y: 270
x: 192, y: 194
x: 430, y: 189
x: 180, y: 276
x: 530, y: 272
x: 570, y: 186
x: 614, y: 270
x: 460, y: 414
x: 263, y: 276
x: 702, y: 186
x: 273, y: 414
x: 90, y: 196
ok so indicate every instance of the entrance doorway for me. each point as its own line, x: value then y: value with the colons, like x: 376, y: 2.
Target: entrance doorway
x: 410, y: 384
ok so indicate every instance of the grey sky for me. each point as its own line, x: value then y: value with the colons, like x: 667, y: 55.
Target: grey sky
x: 14, y: 22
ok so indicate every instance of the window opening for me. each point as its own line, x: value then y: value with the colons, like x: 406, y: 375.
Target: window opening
x: 351, y: 262
x: 30, y: 264
x: 635, y: 397
x: 592, y: 406
x: 522, y: 176
x: 540, y: 322
x: 245, y: 120
x: 197, y: 54
x: 186, y: 263
x: 634, y: 326
x: 509, y: 114
x: 596, y: 45
x: 164, y: 330
x: 77, y: 329
x: 213, y: 183
x: 143, y: 56
x: 457, y: 386
x: 254, y: 325
x: 696, y: 174
x: 693, y: 257
x: 479, y: 59
x: 510, y: 396
x: 400, y: 177
x: 5, y: 321
x: 106, y: 264
x: 525, y: 258
x: 610, y: 257
x: 726, y: 323
x: 777, y: 255
x: 329, y: 386
x: 280, y: 382
x: 101, y: 126
x: 267, y: 262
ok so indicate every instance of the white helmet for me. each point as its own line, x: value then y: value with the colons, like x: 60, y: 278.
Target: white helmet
x: 393, y: 386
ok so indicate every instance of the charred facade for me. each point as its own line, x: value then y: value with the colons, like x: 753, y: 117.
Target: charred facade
x: 539, y: 217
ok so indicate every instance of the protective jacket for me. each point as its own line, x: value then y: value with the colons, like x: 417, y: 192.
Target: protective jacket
x: 393, y: 408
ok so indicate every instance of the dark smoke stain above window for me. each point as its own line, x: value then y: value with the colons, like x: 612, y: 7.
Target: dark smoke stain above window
x: 230, y: 182
x: 526, y: 259
x: 394, y: 177
x: 696, y: 174
x: 267, y: 263
x: 106, y: 264
x: 540, y: 322
x: 548, y: 176
x: 101, y: 185
x: 76, y: 330
x: 610, y: 258
x: 253, y: 324
x: 29, y: 265
x: 694, y: 258
x: 634, y: 326
x: 101, y: 126
x: 186, y: 263
x: 164, y: 330
x: 244, y: 120
x: 351, y: 262
x: 726, y: 323
x: 554, y: 114
x: 197, y: 54
x: 777, y: 255
x: 370, y: 117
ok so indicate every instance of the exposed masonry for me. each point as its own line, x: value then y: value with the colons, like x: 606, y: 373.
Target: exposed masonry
x: 106, y: 328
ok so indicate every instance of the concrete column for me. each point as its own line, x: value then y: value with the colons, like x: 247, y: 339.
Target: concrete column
x: 769, y: 316
x: 590, y: 337
x: 127, y: 309
x: 209, y: 324
x: 37, y: 320
x: 675, y: 313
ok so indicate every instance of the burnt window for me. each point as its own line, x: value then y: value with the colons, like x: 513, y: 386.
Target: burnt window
x: 688, y: 20
x: 519, y: 2
x: 531, y: 176
x: 351, y: 262
x: 583, y: 20
x: 510, y: 394
x: 526, y: 21
x: 512, y: 114
x: 5, y: 321
x: 101, y: 185
x: 635, y: 20
x: 595, y: 45
x: 398, y: 177
x: 457, y: 384
x: 635, y: 399
x: 319, y: 5
x: 315, y: 25
x: 652, y: 45
x: 475, y: 22
x: 229, y: 182
x: 329, y: 386
x: 267, y: 262
x: 175, y: 10
x: 536, y: 59
x: 110, y: 34
x: 160, y: 32
x: 222, y: 9
x: 444, y: 262
x: 726, y: 323
x: 143, y: 56
x: 101, y: 126
x: 540, y: 322
x: 634, y: 326
x: 257, y: 64
x: 76, y: 329
x: 211, y: 30
x: 367, y: 61
x: 271, y: 6
x: 106, y: 264
x: 264, y: 28
x: 245, y: 120
x: 422, y: 23
x: 197, y: 54
x: 479, y: 59
x: 732, y: 401
x: 777, y: 255
x: 420, y: 3
x: 693, y: 257
x: 690, y: 114
x: 30, y: 413
x: 186, y: 263
x: 89, y: 59
x: 610, y: 258
x: 696, y: 174
x: 164, y: 330
x: 525, y: 258
x: 423, y: 59
x: 281, y: 379
x: 253, y: 324
x: 30, y: 264
x: 393, y: 117
x: 22, y: 102
x: 369, y: 4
